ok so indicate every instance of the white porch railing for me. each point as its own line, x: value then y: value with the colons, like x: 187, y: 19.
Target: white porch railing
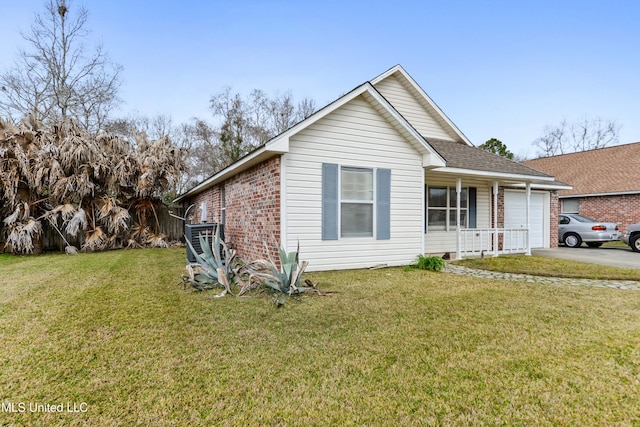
x: 480, y: 241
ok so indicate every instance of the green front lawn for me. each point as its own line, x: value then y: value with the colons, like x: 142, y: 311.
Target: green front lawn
x: 392, y: 347
x: 550, y: 267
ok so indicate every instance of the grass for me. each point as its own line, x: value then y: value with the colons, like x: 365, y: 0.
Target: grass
x: 392, y: 347
x: 549, y: 267
x: 614, y: 244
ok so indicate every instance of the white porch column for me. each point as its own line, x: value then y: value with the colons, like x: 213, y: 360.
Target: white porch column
x: 528, y: 219
x: 424, y: 218
x: 495, y: 218
x: 458, y: 237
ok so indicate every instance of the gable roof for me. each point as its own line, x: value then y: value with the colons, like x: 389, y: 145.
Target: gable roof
x: 603, y: 171
x: 280, y: 143
x: 425, y: 100
x: 456, y: 156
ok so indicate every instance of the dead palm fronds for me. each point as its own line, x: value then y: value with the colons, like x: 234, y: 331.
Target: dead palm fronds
x: 140, y: 233
x: 95, y: 240
x: 157, y: 240
x: 144, y: 208
x: 65, y: 212
x: 21, y: 213
x: 76, y: 172
x: 21, y: 235
x: 116, y: 219
x: 132, y: 244
x: 77, y: 222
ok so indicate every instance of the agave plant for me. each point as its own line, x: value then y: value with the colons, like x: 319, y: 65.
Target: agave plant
x: 285, y: 277
x: 216, y: 265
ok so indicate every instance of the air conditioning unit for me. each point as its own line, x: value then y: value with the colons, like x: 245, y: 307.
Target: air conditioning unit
x: 193, y: 232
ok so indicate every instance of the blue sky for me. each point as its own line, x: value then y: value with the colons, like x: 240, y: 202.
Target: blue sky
x: 501, y: 69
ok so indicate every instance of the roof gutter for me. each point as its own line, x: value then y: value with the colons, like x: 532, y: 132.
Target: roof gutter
x: 617, y: 193
x: 495, y: 175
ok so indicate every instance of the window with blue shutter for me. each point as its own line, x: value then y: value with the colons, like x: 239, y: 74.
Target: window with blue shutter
x: 352, y: 206
x: 383, y: 204
x: 329, y: 201
x: 473, y: 211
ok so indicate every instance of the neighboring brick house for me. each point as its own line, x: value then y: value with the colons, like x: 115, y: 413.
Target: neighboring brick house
x: 377, y: 177
x: 605, y: 182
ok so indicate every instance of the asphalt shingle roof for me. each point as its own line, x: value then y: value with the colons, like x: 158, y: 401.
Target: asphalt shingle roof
x: 601, y: 171
x: 463, y: 156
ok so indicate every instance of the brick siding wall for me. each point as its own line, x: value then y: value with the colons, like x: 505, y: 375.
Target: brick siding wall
x: 212, y: 198
x: 624, y: 210
x: 252, y: 205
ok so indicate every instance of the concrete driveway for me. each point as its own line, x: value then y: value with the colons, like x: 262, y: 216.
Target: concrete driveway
x: 613, y: 256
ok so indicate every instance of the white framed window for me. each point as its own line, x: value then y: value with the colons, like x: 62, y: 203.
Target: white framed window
x: 356, y: 202
x: 570, y: 206
x: 441, y: 208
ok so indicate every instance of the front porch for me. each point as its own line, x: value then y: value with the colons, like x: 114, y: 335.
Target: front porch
x: 492, y: 241
x: 468, y: 218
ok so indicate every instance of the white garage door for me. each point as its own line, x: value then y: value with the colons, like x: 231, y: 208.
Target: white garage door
x: 515, y: 214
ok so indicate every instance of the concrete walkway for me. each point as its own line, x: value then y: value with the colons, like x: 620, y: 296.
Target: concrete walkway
x: 615, y: 284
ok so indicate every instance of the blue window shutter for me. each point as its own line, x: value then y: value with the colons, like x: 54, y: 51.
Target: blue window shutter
x: 473, y: 211
x: 383, y: 204
x: 329, y: 201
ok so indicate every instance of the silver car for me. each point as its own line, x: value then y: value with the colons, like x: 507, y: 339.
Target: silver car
x: 573, y: 229
x: 632, y: 237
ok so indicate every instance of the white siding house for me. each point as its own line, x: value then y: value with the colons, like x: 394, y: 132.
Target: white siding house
x: 354, y: 136
x: 379, y: 176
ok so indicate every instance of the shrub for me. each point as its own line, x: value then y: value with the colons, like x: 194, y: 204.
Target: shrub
x: 431, y: 263
x: 216, y: 266
x: 283, y: 279
x: 219, y: 266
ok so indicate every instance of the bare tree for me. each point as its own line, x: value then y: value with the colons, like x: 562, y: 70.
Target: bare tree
x: 154, y: 127
x: 202, y: 143
x: 306, y: 108
x: 57, y: 78
x: 584, y: 134
x: 245, y: 124
x: 283, y: 112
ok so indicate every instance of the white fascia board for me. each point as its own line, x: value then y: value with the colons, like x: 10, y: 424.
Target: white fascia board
x: 545, y: 186
x: 386, y: 74
x: 493, y: 175
x: 619, y: 193
x: 427, y: 98
x: 278, y: 145
x: 430, y: 158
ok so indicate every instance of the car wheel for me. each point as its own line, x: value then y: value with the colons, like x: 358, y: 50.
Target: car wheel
x: 572, y: 240
x: 594, y: 244
x: 635, y: 243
